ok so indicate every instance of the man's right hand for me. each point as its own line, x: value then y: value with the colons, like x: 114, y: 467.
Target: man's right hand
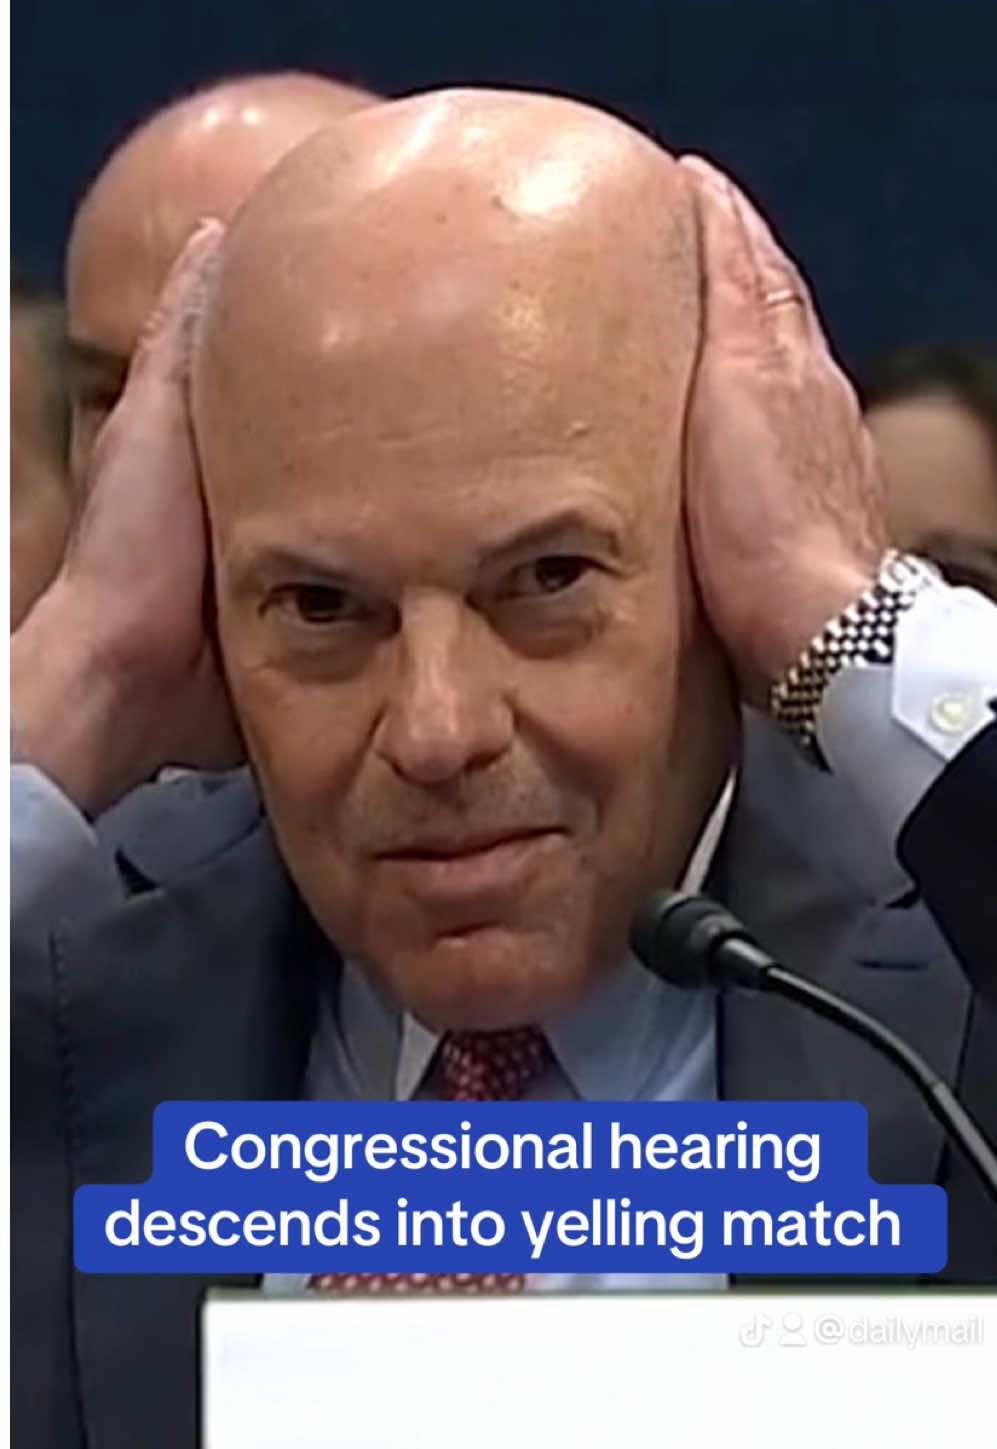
x: 114, y: 672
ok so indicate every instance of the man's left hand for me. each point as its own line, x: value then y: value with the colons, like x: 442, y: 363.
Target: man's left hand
x: 783, y: 491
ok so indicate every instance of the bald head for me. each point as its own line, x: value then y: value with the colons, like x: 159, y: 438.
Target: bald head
x: 40, y: 502
x: 438, y: 399
x: 464, y: 228
x: 199, y: 157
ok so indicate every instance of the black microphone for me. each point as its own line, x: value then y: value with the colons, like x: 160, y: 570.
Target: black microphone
x: 691, y: 941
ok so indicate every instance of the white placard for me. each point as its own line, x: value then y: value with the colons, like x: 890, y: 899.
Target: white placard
x: 630, y: 1371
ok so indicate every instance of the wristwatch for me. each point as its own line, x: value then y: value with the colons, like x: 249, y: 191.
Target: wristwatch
x: 862, y: 636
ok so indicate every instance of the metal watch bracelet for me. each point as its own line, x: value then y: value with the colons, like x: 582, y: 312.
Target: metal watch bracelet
x: 861, y: 636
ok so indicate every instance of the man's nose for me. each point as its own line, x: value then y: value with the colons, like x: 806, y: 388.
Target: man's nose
x: 446, y: 713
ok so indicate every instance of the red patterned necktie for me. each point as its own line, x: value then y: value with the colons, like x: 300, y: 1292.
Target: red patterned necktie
x: 471, y: 1066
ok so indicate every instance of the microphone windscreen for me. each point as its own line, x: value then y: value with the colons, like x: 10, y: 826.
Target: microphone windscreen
x: 665, y: 939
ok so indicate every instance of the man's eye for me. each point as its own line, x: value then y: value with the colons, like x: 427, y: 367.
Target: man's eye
x: 552, y: 574
x: 320, y: 603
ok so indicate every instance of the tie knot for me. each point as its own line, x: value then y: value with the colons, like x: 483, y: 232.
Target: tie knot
x: 491, y: 1066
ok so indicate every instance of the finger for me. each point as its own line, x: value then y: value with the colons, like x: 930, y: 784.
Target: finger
x: 788, y: 309
x: 153, y: 405
x: 729, y: 284
x: 760, y: 291
x: 164, y: 341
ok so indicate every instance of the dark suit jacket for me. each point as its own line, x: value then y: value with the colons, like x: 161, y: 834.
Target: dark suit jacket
x: 806, y: 869
x: 949, y: 845
x: 200, y: 986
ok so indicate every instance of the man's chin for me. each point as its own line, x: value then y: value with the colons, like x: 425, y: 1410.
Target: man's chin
x: 489, y: 978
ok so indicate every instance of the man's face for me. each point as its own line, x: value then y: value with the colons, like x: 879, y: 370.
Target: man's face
x: 117, y: 268
x: 942, y: 485
x: 461, y: 638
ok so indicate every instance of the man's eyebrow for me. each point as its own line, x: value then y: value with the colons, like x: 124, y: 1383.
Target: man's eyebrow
x: 255, y: 566
x: 569, y: 522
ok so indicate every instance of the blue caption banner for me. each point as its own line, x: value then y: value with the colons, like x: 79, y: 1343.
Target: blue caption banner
x: 563, y: 1187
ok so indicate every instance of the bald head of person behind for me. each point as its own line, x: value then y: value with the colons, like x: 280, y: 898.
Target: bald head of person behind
x: 438, y: 398
x: 198, y: 157
x: 41, y: 505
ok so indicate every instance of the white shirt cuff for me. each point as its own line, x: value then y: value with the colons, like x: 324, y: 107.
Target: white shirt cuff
x: 891, y: 731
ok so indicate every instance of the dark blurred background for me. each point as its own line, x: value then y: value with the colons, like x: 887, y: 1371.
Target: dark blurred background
x: 866, y: 128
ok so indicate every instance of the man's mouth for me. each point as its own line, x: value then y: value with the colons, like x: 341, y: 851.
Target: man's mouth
x: 459, y: 847
x: 481, y: 869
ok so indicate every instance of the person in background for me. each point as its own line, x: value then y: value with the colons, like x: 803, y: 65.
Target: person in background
x: 41, y: 505
x: 200, y: 156
x: 932, y: 410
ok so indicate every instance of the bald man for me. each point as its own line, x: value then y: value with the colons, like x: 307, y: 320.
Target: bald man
x: 199, y: 157
x: 444, y: 362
